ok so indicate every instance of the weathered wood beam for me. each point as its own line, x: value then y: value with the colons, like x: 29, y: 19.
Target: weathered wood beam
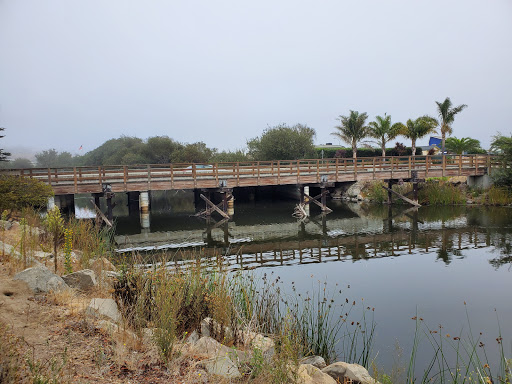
x: 214, y: 207
x: 402, y: 197
x: 325, y: 208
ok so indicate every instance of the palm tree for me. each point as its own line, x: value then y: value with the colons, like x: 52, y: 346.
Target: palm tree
x: 352, y: 129
x: 446, y: 117
x: 459, y: 146
x: 384, y: 131
x: 416, y: 129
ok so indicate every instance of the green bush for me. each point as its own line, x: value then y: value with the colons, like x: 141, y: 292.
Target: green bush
x: 441, y: 193
x: 344, y: 153
x: 19, y: 192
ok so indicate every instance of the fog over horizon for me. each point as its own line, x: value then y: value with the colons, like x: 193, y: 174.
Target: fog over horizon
x: 79, y: 73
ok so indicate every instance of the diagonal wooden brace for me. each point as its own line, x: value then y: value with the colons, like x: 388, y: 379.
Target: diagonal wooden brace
x: 213, y: 207
x: 315, y: 201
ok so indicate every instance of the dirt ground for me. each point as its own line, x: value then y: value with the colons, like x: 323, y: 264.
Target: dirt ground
x: 59, y: 342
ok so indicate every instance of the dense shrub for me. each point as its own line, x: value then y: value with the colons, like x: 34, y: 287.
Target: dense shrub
x: 345, y: 153
x: 19, y: 192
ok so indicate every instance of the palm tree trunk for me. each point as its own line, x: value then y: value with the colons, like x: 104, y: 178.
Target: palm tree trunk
x: 354, y: 150
x: 413, y: 147
x: 443, y: 137
x: 383, y: 146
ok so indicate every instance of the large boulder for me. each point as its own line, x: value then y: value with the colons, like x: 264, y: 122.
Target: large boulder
x: 258, y: 341
x: 41, y: 280
x: 315, y: 361
x: 103, y: 307
x: 101, y: 264
x: 221, y: 366
x: 83, y: 280
x: 309, y: 374
x: 207, y: 347
x: 340, y: 370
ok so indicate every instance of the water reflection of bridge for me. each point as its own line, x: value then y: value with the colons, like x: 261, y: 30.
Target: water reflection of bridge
x: 321, y: 240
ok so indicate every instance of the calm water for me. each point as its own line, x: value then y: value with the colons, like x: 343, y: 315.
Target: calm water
x: 428, y: 262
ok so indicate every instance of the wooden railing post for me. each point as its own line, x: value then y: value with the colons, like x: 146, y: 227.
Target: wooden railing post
x: 298, y: 171
x: 149, y: 177
x: 172, y: 175
x: 49, y: 177
x: 278, y: 171
x: 317, y: 170
x: 337, y: 168
x: 194, y: 175
x: 75, y: 180
x: 460, y: 165
x: 444, y: 165
x: 125, y: 176
x: 410, y: 166
x: 373, y: 165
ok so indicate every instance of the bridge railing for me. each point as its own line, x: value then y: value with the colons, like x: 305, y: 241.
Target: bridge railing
x: 149, y: 173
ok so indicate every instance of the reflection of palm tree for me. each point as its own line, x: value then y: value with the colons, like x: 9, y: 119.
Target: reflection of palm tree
x: 446, y: 117
x: 352, y: 129
x: 416, y: 129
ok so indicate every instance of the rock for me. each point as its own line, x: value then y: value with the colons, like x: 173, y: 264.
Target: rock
x: 83, y: 280
x: 221, y: 366
x: 308, y: 374
x: 107, y: 326
x: 212, y: 328
x: 193, y: 338
x: 41, y: 279
x: 6, y: 225
x: 103, y: 307
x: 340, y: 370
x: 43, y: 255
x: 315, y: 361
x: 101, y: 264
x: 9, y: 250
x: 208, y: 347
x: 148, y: 333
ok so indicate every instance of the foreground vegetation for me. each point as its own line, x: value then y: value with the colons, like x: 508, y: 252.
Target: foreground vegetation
x: 173, y: 299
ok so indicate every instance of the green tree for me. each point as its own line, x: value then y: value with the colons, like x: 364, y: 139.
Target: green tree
x: 160, y: 149
x: 384, y: 131
x: 283, y: 143
x: 3, y: 155
x: 229, y: 156
x: 352, y: 129
x: 192, y: 153
x: 503, y: 146
x: 460, y: 146
x: 416, y: 129
x: 21, y: 162
x: 446, y: 117
x: 112, y: 152
x: 51, y: 158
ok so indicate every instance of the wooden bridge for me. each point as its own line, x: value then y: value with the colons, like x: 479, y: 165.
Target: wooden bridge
x: 133, y: 178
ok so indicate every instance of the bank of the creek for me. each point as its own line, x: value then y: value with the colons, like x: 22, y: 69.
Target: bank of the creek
x: 440, y: 263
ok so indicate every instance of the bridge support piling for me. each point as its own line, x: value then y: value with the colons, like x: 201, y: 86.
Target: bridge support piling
x: 96, y: 197
x: 390, y: 194
x: 50, y: 204
x: 144, y: 201
x: 305, y: 198
x: 133, y: 203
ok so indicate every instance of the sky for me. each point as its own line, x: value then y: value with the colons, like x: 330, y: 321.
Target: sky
x: 77, y: 73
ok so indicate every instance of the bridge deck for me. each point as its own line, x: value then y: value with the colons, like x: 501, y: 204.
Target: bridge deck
x: 248, y: 174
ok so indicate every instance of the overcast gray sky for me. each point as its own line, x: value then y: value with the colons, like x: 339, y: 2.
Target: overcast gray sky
x: 81, y: 72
